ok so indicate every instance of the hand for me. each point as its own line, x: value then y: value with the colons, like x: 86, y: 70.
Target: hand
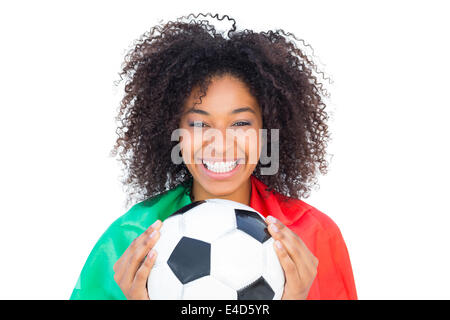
x: 131, y: 271
x: 298, y: 263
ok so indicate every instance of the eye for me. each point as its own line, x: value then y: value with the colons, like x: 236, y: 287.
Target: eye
x: 242, y: 123
x: 197, y: 124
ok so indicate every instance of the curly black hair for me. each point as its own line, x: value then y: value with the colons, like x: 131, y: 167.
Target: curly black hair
x: 168, y: 61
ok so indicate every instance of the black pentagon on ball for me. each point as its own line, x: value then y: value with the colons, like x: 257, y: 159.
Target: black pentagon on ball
x: 190, y: 259
x: 252, y: 224
x: 257, y: 290
x: 188, y: 207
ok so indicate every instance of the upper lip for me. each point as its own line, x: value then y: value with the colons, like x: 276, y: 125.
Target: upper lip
x: 221, y: 160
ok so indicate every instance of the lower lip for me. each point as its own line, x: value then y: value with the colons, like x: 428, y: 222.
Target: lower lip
x: 217, y: 175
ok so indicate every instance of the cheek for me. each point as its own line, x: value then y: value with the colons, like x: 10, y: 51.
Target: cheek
x: 254, y: 153
x: 190, y: 146
x: 251, y: 145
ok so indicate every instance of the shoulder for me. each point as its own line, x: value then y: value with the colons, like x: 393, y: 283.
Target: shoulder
x: 139, y: 212
x: 323, y: 221
x: 130, y: 224
x: 142, y: 214
x: 307, y: 217
x: 122, y: 231
x: 150, y: 209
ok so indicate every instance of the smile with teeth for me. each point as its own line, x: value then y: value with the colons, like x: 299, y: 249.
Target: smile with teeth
x: 220, y: 166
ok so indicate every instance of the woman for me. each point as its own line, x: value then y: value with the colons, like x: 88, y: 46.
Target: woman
x: 192, y: 79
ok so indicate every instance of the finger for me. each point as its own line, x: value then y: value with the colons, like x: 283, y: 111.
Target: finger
x: 293, y: 243
x: 289, y: 244
x: 284, y: 230
x: 155, y: 226
x: 306, y: 263
x: 120, y: 267
x: 136, y: 243
x: 139, y: 254
x: 288, y: 265
x: 140, y: 280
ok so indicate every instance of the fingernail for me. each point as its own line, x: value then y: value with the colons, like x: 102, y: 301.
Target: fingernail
x: 152, y: 234
x: 151, y: 254
x: 274, y: 227
x: 271, y: 219
x: 278, y: 244
x: 156, y: 224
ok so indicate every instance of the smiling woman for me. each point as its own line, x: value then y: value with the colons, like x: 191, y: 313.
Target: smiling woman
x: 221, y: 94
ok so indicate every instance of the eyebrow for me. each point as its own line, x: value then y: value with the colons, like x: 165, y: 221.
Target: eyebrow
x: 238, y: 110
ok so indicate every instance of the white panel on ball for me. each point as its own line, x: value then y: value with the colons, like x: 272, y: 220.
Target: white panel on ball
x: 209, y: 223
x: 208, y: 288
x: 165, y: 245
x: 231, y: 204
x: 236, y: 259
x: 272, y: 270
x: 162, y: 284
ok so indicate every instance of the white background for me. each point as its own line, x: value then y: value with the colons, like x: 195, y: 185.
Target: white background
x: 387, y: 186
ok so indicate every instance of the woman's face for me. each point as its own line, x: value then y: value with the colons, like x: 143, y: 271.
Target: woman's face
x: 222, y: 144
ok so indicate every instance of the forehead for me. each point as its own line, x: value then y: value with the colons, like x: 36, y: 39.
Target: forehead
x: 224, y: 95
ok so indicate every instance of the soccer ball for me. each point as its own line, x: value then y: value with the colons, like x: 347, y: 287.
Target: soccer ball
x: 215, y: 249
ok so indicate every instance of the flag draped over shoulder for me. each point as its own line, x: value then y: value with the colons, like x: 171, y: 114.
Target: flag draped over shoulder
x: 334, y: 279
x: 96, y: 280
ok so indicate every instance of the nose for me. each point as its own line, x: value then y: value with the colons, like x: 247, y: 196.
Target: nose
x: 219, y: 144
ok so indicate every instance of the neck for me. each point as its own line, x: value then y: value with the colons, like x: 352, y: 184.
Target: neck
x: 241, y: 195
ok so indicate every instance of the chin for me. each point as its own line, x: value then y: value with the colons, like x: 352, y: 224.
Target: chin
x: 221, y: 189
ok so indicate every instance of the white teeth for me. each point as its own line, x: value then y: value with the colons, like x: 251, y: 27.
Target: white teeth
x: 220, y: 167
